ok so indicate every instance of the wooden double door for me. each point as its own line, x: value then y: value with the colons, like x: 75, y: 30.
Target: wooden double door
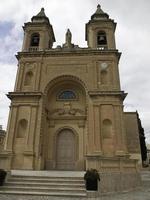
x: 65, y: 150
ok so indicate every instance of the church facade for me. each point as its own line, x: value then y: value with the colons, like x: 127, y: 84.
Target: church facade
x: 66, y: 110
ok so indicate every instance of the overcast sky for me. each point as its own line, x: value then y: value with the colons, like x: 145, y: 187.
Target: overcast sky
x: 132, y: 38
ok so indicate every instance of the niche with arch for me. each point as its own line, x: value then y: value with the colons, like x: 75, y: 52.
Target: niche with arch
x: 104, y: 77
x: 22, y: 128
x: 35, y: 39
x: 28, y: 78
x: 107, y: 128
x: 108, y: 138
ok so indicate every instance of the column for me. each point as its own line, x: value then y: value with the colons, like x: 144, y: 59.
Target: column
x: 90, y: 130
x: 29, y: 143
x: 11, y: 129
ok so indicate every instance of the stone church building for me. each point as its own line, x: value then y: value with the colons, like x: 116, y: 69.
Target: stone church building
x: 66, y: 110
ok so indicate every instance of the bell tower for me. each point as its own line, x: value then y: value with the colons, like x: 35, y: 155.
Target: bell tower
x: 100, y: 31
x: 38, y: 34
x: 100, y: 36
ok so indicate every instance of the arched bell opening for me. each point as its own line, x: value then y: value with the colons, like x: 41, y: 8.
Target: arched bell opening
x: 35, y: 39
x: 101, y: 40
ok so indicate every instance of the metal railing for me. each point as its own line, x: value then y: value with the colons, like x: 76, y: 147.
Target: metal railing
x: 33, y: 48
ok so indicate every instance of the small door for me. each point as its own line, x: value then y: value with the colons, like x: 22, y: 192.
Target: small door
x: 65, y: 152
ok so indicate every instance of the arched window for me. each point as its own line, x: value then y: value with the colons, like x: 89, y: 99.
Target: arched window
x: 101, y: 38
x: 22, y: 127
x: 35, y: 38
x: 67, y: 95
x: 28, y: 78
x: 107, y: 128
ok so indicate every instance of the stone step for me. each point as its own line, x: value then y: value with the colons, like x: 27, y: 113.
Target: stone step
x: 54, y: 174
x: 47, y: 189
x: 145, y: 177
x: 45, y: 183
x: 48, y: 177
x: 60, y: 194
x: 45, y: 180
x: 75, y: 185
x: 145, y: 183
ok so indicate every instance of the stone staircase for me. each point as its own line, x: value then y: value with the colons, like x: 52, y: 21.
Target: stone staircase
x: 145, y: 177
x: 49, y: 183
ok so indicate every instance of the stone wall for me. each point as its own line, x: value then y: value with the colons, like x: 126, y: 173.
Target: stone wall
x: 132, y: 134
x: 2, y: 138
x: 118, y: 181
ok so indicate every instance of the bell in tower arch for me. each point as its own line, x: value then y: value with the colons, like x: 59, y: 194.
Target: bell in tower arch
x: 101, y: 38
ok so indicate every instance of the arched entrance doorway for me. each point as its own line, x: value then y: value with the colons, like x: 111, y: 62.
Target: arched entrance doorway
x: 65, y: 150
x: 64, y: 138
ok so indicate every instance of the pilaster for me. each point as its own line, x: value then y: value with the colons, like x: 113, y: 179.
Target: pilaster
x: 11, y: 129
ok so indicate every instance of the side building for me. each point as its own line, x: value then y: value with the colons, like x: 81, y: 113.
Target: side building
x: 133, y: 135
x: 2, y: 138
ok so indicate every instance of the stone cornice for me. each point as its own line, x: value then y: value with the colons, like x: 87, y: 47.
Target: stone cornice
x: 37, y: 24
x: 12, y: 95
x: 124, y: 156
x: 6, y: 154
x: 121, y: 94
x: 68, y: 52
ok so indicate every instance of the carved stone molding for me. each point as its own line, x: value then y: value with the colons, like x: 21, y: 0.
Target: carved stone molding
x: 67, y: 111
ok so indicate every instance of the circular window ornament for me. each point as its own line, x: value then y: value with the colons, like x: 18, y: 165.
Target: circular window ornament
x: 104, y: 66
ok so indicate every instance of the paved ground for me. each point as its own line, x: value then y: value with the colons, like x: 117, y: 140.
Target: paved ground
x: 141, y: 194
